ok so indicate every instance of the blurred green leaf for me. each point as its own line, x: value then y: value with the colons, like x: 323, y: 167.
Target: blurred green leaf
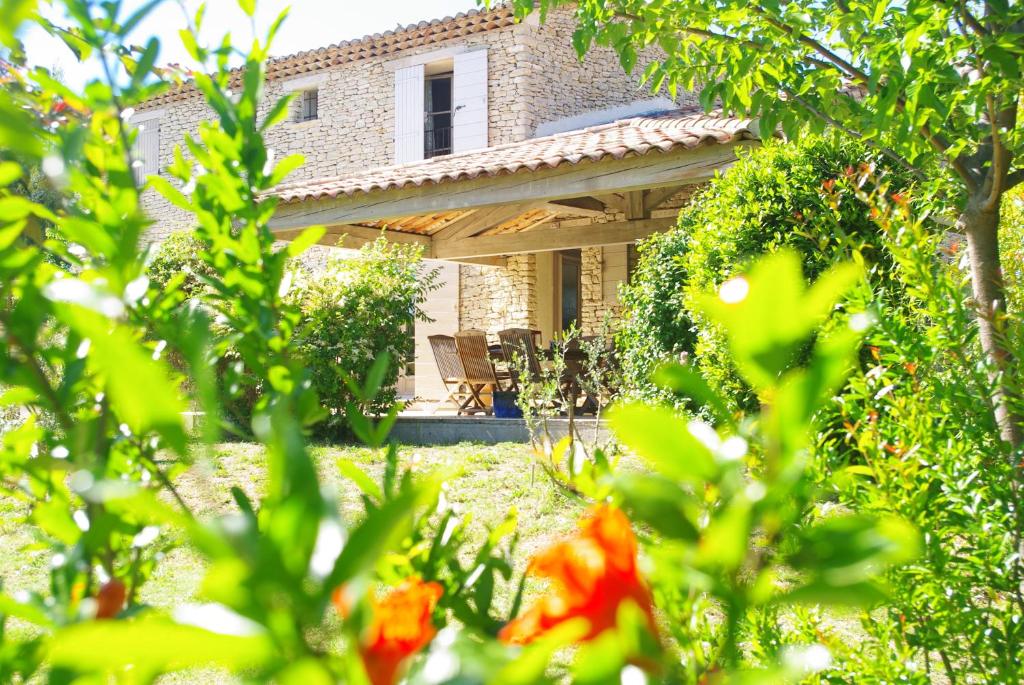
x: 658, y: 502
x: 152, y: 643
x: 139, y: 386
x: 663, y: 439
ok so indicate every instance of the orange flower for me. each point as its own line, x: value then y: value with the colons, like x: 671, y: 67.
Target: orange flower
x: 110, y: 599
x: 591, y: 575
x: 400, y: 627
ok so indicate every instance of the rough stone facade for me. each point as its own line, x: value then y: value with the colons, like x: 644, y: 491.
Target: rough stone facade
x: 495, y: 297
x: 592, y: 304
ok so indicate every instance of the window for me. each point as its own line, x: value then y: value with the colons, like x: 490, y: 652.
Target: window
x: 437, y: 116
x: 440, y: 104
x: 308, y: 105
x: 570, y: 270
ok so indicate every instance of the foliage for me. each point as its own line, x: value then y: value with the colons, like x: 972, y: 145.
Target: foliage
x: 740, y: 513
x: 656, y: 325
x: 350, y: 313
x: 928, y: 84
x: 913, y: 438
x: 770, y: 199
x: 1013, y: 248
x: 359, y: 309
x: 176, y: 255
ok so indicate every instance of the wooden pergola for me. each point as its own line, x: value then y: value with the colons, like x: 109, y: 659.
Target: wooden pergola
x: 595, y: 187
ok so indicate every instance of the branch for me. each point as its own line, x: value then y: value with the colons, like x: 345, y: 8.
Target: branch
x: 843, y: 65
x: 970, y: 19
x: 1014, y: 179
x: 1000, y: 162
x: 831, y: 121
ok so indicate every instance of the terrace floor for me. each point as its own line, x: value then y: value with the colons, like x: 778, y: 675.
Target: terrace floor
x: 432, y: 423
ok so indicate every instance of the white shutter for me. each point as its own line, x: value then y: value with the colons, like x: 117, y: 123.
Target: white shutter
x: 470, y: 101
x: 409, y: 114
x: 147, y: 148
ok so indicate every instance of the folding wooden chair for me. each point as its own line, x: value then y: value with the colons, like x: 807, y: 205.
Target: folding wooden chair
x: 518, y: 347
x: 480, y: 376
x: 453, y: 374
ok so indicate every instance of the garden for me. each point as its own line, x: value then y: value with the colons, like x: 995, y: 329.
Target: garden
x: 816, y: 465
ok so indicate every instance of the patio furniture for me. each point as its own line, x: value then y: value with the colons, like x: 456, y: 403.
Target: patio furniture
x: 481, y: 378
x: 453, y: 374
x: 517, y: 344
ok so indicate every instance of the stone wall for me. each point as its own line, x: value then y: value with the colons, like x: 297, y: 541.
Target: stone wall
x: 591, y: 290
x: 492, y: 298
x: 562, y: 86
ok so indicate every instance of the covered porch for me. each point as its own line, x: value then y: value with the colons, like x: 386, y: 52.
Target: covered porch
x: 535, y: 234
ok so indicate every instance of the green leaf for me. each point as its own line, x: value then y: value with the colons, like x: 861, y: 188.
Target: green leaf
x: 304, y: 240
x: 360, y: 479
x: 170, y: 193
x: 379, y: 532
x: 155, y: 644
x: 248, y: 6
x: 139, y: 387
x: 684, y: 380
x: 658, y: 502
x: 664, y: 440
x: 285, y: 167
x: 54, y: 518
x: 25, y: 611
x: 9, y: 173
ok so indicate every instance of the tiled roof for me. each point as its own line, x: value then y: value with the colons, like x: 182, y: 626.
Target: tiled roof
x: 629, y: 137
x: 376, y: 45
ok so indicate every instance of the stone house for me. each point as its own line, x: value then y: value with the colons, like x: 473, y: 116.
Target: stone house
x: 526, y: 173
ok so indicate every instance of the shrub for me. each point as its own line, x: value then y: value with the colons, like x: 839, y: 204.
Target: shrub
x: 178, y: 257
x: 658, y: 324
x: 913, y: 435
x: 771, y: 198
x: 356, y: 310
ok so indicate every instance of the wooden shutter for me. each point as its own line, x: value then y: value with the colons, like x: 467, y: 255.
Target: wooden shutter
x: 469, y: 99
x: 147, y: 149
x: 409, y: 114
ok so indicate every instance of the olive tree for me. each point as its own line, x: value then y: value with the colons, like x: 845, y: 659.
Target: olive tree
x: 931, y: 85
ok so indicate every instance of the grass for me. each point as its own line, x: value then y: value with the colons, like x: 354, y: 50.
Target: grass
x: 487, y: 481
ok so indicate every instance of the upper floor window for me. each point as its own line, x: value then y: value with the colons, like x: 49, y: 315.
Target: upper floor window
x: 440, y: 104
x: 437, y: 117
x: 309, y: 103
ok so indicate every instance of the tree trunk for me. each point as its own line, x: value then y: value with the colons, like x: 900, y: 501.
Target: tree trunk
x: 982, y: 230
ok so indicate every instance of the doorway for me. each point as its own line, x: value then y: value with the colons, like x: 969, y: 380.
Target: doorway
x: 569, y: 289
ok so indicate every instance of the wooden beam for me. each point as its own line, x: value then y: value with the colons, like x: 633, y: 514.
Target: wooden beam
x: 587, y: 178
x: 357, y: 236
x: 659, y: 196
x: 580, y: 206
x: 548, y: 239
x: 481, y: 220
x: 635, y: 205
x: 483, y: 261
x: 613, y: 201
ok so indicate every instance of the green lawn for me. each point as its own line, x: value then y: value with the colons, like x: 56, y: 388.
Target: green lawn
x: 488, y: 480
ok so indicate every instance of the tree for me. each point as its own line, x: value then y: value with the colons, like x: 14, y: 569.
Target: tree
x: 929, y: 84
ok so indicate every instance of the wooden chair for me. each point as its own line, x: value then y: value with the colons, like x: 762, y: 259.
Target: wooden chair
x: 453, y: 374
x: 481, y: 379
x: 517, y: 344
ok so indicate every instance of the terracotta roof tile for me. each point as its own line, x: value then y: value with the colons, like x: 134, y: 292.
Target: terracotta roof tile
x: 377, y: 45
x: 628, y: 137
